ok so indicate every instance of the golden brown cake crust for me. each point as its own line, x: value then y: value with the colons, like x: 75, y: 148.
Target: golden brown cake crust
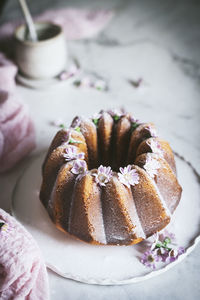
x: 61, y: 196
x: 105, y: 127
x: 150, y: 208
x: 110, y: 180
x: 168, y: 155
x: 86, y: 220
x: 165, y: 180
x: 89, y: 131
x: 117, y: 220
x: 123, y: 131
x: 138, y: 135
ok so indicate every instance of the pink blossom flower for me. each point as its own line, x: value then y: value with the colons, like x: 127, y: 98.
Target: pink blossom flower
x: 79, y: 168
x: 152, y: 131
x: 86, y: 82
x: 71, y: 153
x: 151, y: 166
x: 155, y: 147
x: 116, y: 113
x: 63, y: 75
x: 133, y: 120
x: 174, y: 253
x: 69, y: 139
x: 100, y: 85
x: 155, y: 242
x: 128, y: 176
x: 149, y: 259
x: 103, y: 175
x: 96, y: 116
x: 165, y: 233
x: 72, y: 71
x: 161, y: 250
x: 67, y: 136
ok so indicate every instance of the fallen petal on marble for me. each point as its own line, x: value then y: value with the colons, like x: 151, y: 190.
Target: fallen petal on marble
x: 136, y: 83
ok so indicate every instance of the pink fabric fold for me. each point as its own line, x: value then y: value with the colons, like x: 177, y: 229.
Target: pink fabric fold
x: 8, y: 72
x: 23, y: 274
x: 76, y: 23
x: 17, y: 135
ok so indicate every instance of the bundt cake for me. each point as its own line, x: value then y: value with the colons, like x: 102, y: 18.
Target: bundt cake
x: 110, y: 180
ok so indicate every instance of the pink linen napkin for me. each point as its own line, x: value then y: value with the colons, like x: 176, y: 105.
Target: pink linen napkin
x: 23, y: 274
x: 17, y: 135
x: 76, y: 23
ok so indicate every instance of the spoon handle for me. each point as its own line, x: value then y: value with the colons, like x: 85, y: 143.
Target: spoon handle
x: 29, y: 20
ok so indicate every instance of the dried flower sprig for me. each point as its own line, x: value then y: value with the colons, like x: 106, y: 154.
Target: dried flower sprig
x: 136, y: 83
x: 162, y: 249
x: 87, y: 82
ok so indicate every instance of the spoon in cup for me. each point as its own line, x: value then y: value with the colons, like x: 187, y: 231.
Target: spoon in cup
x: 31, y: 31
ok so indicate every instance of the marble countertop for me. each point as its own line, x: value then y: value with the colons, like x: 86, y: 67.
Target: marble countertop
x: 159, y: 42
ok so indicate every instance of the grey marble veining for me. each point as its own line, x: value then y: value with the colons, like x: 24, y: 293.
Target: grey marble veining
x: 158, y: 41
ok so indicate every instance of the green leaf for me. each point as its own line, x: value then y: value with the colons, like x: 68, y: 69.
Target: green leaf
x: 167, y: 240
x: 72, y: 141
x: 158, y: 245
x: 135, y: 125
x: 116, y: 118
x: 62, y: 126
x: 78, y: 129
x: 99, y: 88
x: 95, y: 121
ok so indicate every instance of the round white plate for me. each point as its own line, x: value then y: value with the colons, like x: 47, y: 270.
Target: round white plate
x: 103, y: 265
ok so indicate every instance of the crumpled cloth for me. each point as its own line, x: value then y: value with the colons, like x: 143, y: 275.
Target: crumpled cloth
x: 76, y: 23
x: 17, y: 134
x: 23, y: 274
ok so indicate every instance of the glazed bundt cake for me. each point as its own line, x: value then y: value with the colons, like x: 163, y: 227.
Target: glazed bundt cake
x: 110, y: 180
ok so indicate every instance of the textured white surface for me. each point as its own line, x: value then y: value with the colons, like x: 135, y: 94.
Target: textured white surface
x: 160, y: 41
x: 101, y: 264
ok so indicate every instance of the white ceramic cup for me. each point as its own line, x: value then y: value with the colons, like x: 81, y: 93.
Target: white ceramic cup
x: 44, y: 58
